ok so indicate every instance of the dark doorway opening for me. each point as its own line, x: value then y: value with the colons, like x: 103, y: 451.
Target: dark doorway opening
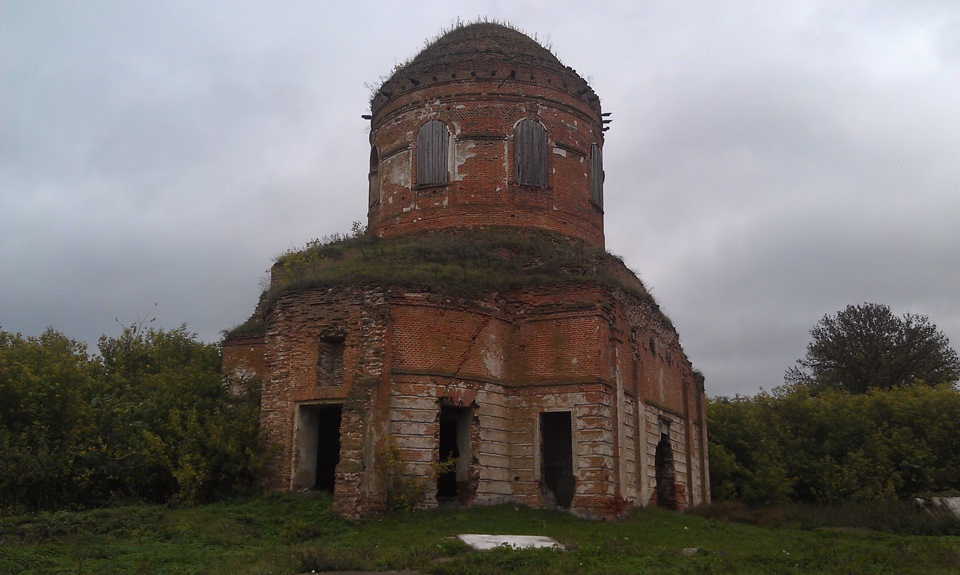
x: 454, y: 445
x: 666, y: 479
x: 318, y: 446
x: 328, y: 447
x: 556, y: 445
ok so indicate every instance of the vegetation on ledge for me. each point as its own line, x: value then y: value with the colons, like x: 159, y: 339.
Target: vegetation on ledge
x: 461, y: 263
x: 253, y: 327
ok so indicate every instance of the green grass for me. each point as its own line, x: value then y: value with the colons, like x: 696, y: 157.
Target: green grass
x: 465, y: 263
x: 295, y: 533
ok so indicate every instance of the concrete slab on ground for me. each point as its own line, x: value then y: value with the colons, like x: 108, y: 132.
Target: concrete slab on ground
x: 481, y: 542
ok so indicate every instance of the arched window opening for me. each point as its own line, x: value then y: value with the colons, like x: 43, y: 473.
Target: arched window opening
x: 596, y: 175
x: 432, y: 142
x: 530, y: 153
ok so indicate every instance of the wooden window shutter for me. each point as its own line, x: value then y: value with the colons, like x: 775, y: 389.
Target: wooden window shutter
x: 596, y: 175
x: 432, y: 141
x: 530, y: 153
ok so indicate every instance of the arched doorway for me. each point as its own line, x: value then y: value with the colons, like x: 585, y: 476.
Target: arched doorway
x: 665, y: 474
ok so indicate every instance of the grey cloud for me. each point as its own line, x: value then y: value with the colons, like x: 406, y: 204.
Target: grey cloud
x: 768, y: 163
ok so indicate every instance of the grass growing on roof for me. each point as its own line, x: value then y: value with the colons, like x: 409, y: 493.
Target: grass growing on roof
x: 462, y: 263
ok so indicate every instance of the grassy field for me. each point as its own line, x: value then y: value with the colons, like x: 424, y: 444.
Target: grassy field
x: 298, y: 534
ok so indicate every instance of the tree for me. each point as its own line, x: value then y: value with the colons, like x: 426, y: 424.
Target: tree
x: 179, y: 430
x: 867, y: 347
x: 835, y: 447
x: 45, y: 384
x: 747, y: 461
x: 151, y: 418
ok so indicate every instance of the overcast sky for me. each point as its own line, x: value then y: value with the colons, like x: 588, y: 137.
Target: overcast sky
x: 768, y: 162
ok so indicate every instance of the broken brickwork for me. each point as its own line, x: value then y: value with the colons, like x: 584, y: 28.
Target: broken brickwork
x: 575, y: 394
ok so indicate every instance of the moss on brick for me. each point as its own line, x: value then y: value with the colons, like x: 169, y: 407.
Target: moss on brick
x: 251, y: 328
x: 466, y: 263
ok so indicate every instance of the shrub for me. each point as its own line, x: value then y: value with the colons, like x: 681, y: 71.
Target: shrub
x: 406, y: 490
x: 835, y: 448
x: 149, y: 419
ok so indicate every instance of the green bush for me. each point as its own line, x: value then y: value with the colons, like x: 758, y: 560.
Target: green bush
x: 405, y: 490
x: 835, y: 447
x: 150, y: 418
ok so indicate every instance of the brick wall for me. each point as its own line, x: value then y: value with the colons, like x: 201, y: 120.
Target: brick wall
x: 481, y: 113
x: 605, y: 356
x: 295, y: 325
x: 243, y: 356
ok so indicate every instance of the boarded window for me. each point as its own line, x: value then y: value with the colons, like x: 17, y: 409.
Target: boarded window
x: 432, y: 141
x: 530, y: 153
x: 374, y: 178
x: 596, y: 175
x: 330, y: 360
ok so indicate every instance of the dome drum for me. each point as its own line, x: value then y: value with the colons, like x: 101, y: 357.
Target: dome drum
x: 481, y: 101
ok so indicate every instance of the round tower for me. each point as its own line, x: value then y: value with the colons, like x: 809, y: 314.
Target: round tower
x: 486, y: 127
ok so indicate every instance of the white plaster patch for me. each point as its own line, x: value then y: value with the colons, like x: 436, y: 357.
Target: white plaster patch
x: 560, y: 152
x: 573, y: 360
x: 660, y: 382
x: 464, y: 151
x: 481, y: 542
x: 506, y: 168
x: 397, y: 169
x: 493, y: 357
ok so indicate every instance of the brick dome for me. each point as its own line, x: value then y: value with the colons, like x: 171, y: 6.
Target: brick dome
x: 486, y: 127
x: 483, y: 51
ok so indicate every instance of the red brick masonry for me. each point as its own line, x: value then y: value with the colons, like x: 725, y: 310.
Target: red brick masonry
x: 390, y: 360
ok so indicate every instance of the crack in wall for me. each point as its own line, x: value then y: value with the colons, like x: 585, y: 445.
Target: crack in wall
x: 473, y: 342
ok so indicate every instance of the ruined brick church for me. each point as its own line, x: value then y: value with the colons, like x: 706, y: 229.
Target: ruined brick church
x: 479, y: 320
